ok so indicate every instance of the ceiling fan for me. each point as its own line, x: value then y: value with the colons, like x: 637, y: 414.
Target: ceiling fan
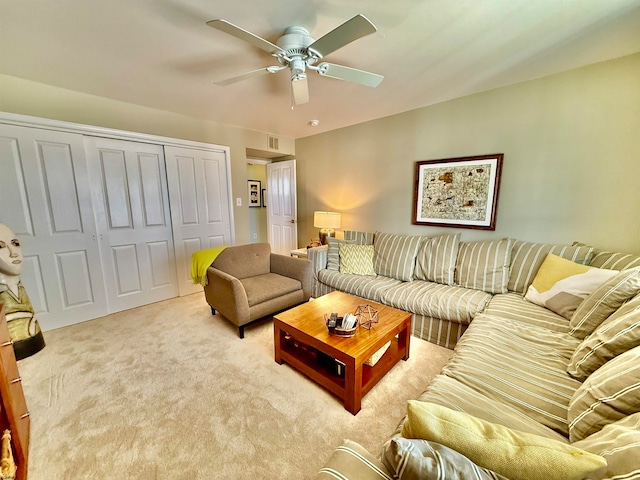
x: 299, y: 52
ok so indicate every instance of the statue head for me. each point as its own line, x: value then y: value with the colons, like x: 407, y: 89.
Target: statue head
x: 10, y: 253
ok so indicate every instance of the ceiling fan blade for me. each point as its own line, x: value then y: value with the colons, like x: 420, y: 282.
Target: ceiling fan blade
x: 253, y: 73
x: 300, y: 89
x: 351, y: 30
x: 350, y: 74
x: 243, y: 34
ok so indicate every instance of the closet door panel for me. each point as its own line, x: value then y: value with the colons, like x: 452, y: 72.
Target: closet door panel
x: 131, y: 198
x: 51, y: 212
x: 200, y: 206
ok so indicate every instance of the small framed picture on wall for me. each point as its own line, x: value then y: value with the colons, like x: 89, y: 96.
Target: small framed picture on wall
x: 254, y: 188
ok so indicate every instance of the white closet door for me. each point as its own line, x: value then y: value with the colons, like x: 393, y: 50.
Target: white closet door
x: 132, y: 211
x: 46, y: 201
x: 200, y: 207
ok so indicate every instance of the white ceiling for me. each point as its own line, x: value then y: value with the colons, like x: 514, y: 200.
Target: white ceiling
x: 161, y: 54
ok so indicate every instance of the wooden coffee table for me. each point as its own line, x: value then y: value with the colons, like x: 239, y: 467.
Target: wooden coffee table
x: 302, y: 340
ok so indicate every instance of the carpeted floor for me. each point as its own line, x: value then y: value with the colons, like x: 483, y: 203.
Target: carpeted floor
x: 168, y: 391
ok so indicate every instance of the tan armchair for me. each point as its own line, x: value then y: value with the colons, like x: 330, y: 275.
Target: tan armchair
x: 248, y: 282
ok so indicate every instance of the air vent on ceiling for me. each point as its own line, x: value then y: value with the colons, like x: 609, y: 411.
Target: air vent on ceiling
x: 272, y: 142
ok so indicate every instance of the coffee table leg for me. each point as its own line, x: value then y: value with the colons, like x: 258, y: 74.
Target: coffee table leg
x: 404, y: 339
x: 353, y: 388
x: 277, y: 338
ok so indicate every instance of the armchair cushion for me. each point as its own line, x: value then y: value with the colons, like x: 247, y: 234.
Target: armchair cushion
x: 270, y: 285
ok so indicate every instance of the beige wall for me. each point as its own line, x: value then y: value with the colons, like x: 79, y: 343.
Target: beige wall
x: 39, y: 100
x: 571, y: 145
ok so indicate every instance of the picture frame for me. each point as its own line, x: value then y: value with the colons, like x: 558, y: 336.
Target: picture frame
x: 253, y: 193
x: 264, y: 197
x: 458, y: 192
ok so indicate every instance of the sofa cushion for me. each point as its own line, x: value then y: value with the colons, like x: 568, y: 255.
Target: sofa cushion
x: 370, y: 288
x: 452, y: 393
x: 352, y: 461
x: 526, y: 258
x: 617, y: 334
x: 270, y: 285
x: 619, y: 444
x: 416, y: 459
x: 357, y: 259
x: 605, y: 300
x: 609, y: 394
x: 359, y: 238
x: 561, y: 285
x: 518, y: 455
x: 435, y: 330
x: 396, y: 255
x: 514, y: 306
x: 434, y: 299
x: 519, y: 365
x: 484, y: 265
x: 436, y: 259
x: 614, y: 260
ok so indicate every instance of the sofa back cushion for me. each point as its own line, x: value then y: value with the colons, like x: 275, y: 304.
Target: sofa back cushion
x: 617, y: 334
x: 526, y: 258
x: 609, y: 394
x: 484, y: 265
x: 436, y: 259
x: 396, y: 255
x: 614, y: 260
x: 242, y: 261
x: 605, y: 300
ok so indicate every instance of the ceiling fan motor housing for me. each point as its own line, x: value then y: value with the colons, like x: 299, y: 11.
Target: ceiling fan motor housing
x: 295, y: 42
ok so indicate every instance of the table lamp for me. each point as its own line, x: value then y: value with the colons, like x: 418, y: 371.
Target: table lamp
x: 326, y: 222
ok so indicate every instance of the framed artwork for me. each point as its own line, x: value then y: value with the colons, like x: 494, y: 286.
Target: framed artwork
x: 253, y: 187
x: 264, y: 197
x: 458, y: 192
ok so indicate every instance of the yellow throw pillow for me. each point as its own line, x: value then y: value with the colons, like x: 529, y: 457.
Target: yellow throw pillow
x: 357, y: 259
x: 514, y: 454
x: 561, y: 285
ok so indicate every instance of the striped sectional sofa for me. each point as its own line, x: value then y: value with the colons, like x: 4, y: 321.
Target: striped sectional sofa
x: 572, y: 384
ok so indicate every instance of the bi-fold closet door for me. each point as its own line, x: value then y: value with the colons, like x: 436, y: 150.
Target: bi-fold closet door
x: 94, y: 215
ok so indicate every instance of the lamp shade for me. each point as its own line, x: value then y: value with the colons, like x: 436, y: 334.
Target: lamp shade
x: 326, y: 219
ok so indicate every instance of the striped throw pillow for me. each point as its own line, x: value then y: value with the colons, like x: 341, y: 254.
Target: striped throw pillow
x: 351, y: 460
x: 617, y: 334
x: 484, y: 265
x: 605, y: 300
x: 356, y: 259
x: 614, y: 260
x: 396, y: 255
x: 526, y: 258
x: 436, y: 260
x: 414, y: 459
x: 619, y: 444
x: 609, y: 394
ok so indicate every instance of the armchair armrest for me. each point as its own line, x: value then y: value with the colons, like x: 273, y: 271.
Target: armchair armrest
x: 292, y: 267
x: 226, y: 294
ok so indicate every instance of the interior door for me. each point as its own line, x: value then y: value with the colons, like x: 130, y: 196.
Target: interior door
x: 134, y: 228
x: 282, y: 206
x: 200, y: 205
x: 46, y: 201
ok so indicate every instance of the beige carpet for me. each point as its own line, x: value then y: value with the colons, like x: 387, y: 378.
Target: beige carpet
x: 168, y: 391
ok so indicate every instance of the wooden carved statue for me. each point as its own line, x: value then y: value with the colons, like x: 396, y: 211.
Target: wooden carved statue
x: 23, y: 325
x: 8, y: 466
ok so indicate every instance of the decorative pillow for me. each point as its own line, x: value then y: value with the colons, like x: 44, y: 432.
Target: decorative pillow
x: 357, y: 259
x: 617, y: 334
x: 526, y: 258
x: 333, y: 253
x: 484, y: 265
x: 619, y: 444
x: 412, y: 459
x: 514, y: 454
x: 436, y: 260
x: 359, y: 238
x: 605, y: 300
x: 395, y: 255
x: 352, y: 461
x: 614, y: 260
x: 561, y: 285
x: 610, y: 393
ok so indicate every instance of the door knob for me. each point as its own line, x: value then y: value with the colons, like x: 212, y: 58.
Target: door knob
x: 292, y: 221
